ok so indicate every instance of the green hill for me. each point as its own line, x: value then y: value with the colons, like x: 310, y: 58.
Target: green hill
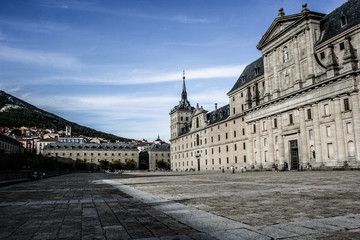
x: 15, y: 112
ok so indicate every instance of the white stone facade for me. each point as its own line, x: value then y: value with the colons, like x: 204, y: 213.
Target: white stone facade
x: 298, y: 103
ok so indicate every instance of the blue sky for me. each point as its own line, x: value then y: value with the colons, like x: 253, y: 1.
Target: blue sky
x: 116, y: 65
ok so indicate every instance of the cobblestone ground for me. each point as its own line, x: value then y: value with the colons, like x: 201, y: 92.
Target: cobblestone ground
x: 252, y: 205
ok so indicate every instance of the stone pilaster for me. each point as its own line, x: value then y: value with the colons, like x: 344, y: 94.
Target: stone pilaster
x: 339, y: 131
x: 298, y: 81
x: 271, y: 146
x: 281, y: 142
x: 259, y: 158
x: 304, y: 148
x: 317, y: 136
x: 356, y: 124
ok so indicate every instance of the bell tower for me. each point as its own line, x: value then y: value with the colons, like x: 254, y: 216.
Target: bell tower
x: 180, y: 115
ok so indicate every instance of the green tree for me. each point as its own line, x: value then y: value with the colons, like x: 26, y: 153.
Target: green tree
x: 161, y: 164
x: 117, y: 165
x: 130, y: 164
x: 104, y: 164
x: 80, y: 164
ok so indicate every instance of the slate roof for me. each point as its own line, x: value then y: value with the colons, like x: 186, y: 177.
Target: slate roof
x: 159, y: 147
x: 250, y: 73
x: 330, y: 25
x: 92, y: 146
x: 219, y: 114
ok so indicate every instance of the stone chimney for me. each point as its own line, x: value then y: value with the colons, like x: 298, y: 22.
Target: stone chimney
x: 215, y: 106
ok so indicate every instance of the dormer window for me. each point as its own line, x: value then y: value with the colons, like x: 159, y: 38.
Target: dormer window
x: 243, y: 78
x: 257, y: 70
x: 343, y: 20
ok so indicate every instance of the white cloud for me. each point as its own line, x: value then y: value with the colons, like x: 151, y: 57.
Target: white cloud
x: 55, y: 60
x: 137, y: 76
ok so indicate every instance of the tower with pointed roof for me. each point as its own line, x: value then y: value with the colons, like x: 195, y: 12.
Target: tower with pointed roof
x: 181, y: 113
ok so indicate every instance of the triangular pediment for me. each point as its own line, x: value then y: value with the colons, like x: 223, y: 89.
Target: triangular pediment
x: 279, y: 26
x: 198, y: 111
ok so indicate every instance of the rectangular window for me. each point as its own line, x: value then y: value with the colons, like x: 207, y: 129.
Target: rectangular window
x: 219, y: 160
x: 226, y: 135
x: 342, y: 46
x: 244, y: 146
x: 275, y: 122
x: 254, y: 128
x: 322, y: 55
x: 233, y: 110
x: 346, y: 104
x: 218, y: 137
x: 227, y: 148
x: 328, y: 131
x: 291, y: 119
x: 349, y: 127
x: 243, y: 131
x: 330, y: 150
x: 309, y: 117
x: 235, y: 159
x: 234, y: 134
x: 326, y: 110
x: 244, y: 158
x: 219, y: 149
x: 264, y: 125
x: 311, y: 134
x: 227, y: 160
x: 235, y: 147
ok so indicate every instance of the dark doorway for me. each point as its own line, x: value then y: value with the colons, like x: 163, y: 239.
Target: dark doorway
x: 294, y: 154
x: 198, y: 164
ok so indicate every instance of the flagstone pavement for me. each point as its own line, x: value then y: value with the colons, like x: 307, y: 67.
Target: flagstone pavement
x: 183, y: 205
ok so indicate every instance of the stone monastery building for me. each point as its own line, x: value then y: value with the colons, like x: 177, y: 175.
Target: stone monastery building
x: 298, y: 103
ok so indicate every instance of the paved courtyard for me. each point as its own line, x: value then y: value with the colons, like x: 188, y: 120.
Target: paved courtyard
x: 252, y: 205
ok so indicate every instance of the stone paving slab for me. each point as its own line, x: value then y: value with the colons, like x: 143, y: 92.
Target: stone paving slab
x: 203, y: 206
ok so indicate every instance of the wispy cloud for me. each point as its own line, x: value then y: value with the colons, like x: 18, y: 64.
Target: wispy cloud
x: 138, y: 76
x: 27, y: 25
x: 94, y: 6
x: 55, y: 60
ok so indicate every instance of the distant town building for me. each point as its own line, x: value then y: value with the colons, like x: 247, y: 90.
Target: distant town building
x: 42, y: 143
x: 159, y: 151
x: 69, y: 139
x: 296, y: 106
x: 9, y: 144
x: 92, y: 153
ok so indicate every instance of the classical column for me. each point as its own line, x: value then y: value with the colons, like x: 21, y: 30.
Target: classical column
x: 304, y: 148
x: 356, y: 123
x: 339, y: 130
x: 317, y: 136
x: 281, y: 141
